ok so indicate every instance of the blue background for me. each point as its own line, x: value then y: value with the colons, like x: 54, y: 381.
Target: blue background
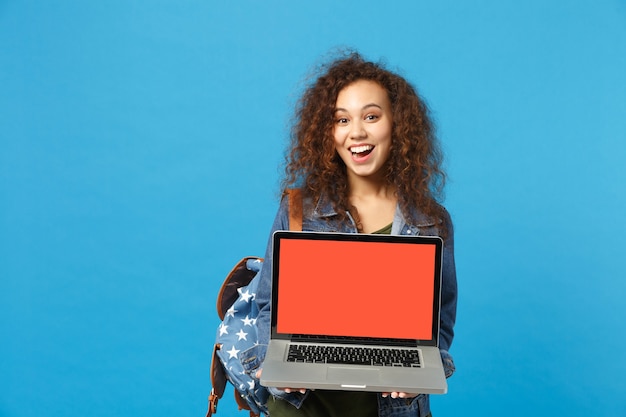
x: 140, y: 144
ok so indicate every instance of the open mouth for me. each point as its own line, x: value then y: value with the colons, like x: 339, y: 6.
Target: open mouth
x: 361, y: 150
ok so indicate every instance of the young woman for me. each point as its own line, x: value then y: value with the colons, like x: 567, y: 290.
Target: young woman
x: 365, y: 156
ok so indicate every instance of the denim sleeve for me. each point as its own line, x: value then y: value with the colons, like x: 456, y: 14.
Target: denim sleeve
x: 264, y: 291
x: 448, y: 363
x: 448, y: 291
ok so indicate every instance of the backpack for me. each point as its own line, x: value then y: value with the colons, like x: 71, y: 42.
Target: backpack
x: 237, y: 331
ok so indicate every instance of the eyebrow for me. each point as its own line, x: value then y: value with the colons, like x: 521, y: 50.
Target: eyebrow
x: 362, y: 108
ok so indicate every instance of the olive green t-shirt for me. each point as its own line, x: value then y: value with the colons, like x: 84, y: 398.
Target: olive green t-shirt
x: 384, y: 231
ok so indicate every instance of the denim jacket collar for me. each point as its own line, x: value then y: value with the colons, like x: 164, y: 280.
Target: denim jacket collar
x: 324, y: 209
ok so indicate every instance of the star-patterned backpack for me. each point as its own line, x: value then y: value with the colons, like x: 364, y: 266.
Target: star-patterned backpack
x: 238, y: 332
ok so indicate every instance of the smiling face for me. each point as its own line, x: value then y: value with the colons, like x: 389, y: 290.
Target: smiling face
x: 362, y: 129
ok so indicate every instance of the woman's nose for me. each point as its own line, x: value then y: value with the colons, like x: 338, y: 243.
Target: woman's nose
x: 357, y: 130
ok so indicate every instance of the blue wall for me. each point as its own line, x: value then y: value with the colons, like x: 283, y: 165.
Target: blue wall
x: 139, y: 151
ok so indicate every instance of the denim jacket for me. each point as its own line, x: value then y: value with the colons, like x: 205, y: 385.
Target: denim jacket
x: 323, y: 218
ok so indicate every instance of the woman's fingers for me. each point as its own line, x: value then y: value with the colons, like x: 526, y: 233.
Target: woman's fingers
x: 289, y: 390
x: 398, y: 395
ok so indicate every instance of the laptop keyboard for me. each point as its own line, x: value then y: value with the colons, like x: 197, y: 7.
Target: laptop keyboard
x: 353, y: 355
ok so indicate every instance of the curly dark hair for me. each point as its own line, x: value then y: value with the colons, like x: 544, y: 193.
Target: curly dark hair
x: 414, y: 165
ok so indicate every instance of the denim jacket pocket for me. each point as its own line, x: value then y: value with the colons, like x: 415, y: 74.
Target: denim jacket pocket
x: 250, y: 360
x: 251, y: 364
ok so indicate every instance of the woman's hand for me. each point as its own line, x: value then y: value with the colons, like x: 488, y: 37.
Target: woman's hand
x: 399, y: 395
x: 287, y: 390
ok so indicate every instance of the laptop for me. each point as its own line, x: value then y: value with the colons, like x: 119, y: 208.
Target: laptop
x: 357, y: 312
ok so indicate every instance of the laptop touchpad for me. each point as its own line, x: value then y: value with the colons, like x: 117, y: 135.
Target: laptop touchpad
x: 351, y: 375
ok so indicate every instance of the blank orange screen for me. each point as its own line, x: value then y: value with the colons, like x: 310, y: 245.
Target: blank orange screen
x: 369, y: 289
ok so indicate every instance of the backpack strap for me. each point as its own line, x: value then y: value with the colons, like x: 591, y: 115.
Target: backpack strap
x: 295, y: 208
x: 239, y: 276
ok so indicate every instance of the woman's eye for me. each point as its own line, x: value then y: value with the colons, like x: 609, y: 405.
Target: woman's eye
x: 342, y: 121
x: 371, y: 117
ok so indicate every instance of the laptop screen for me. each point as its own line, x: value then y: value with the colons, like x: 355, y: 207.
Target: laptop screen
x: 355, y: 285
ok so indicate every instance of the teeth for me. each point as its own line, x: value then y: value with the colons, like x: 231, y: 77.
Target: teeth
x: 362, y: 148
